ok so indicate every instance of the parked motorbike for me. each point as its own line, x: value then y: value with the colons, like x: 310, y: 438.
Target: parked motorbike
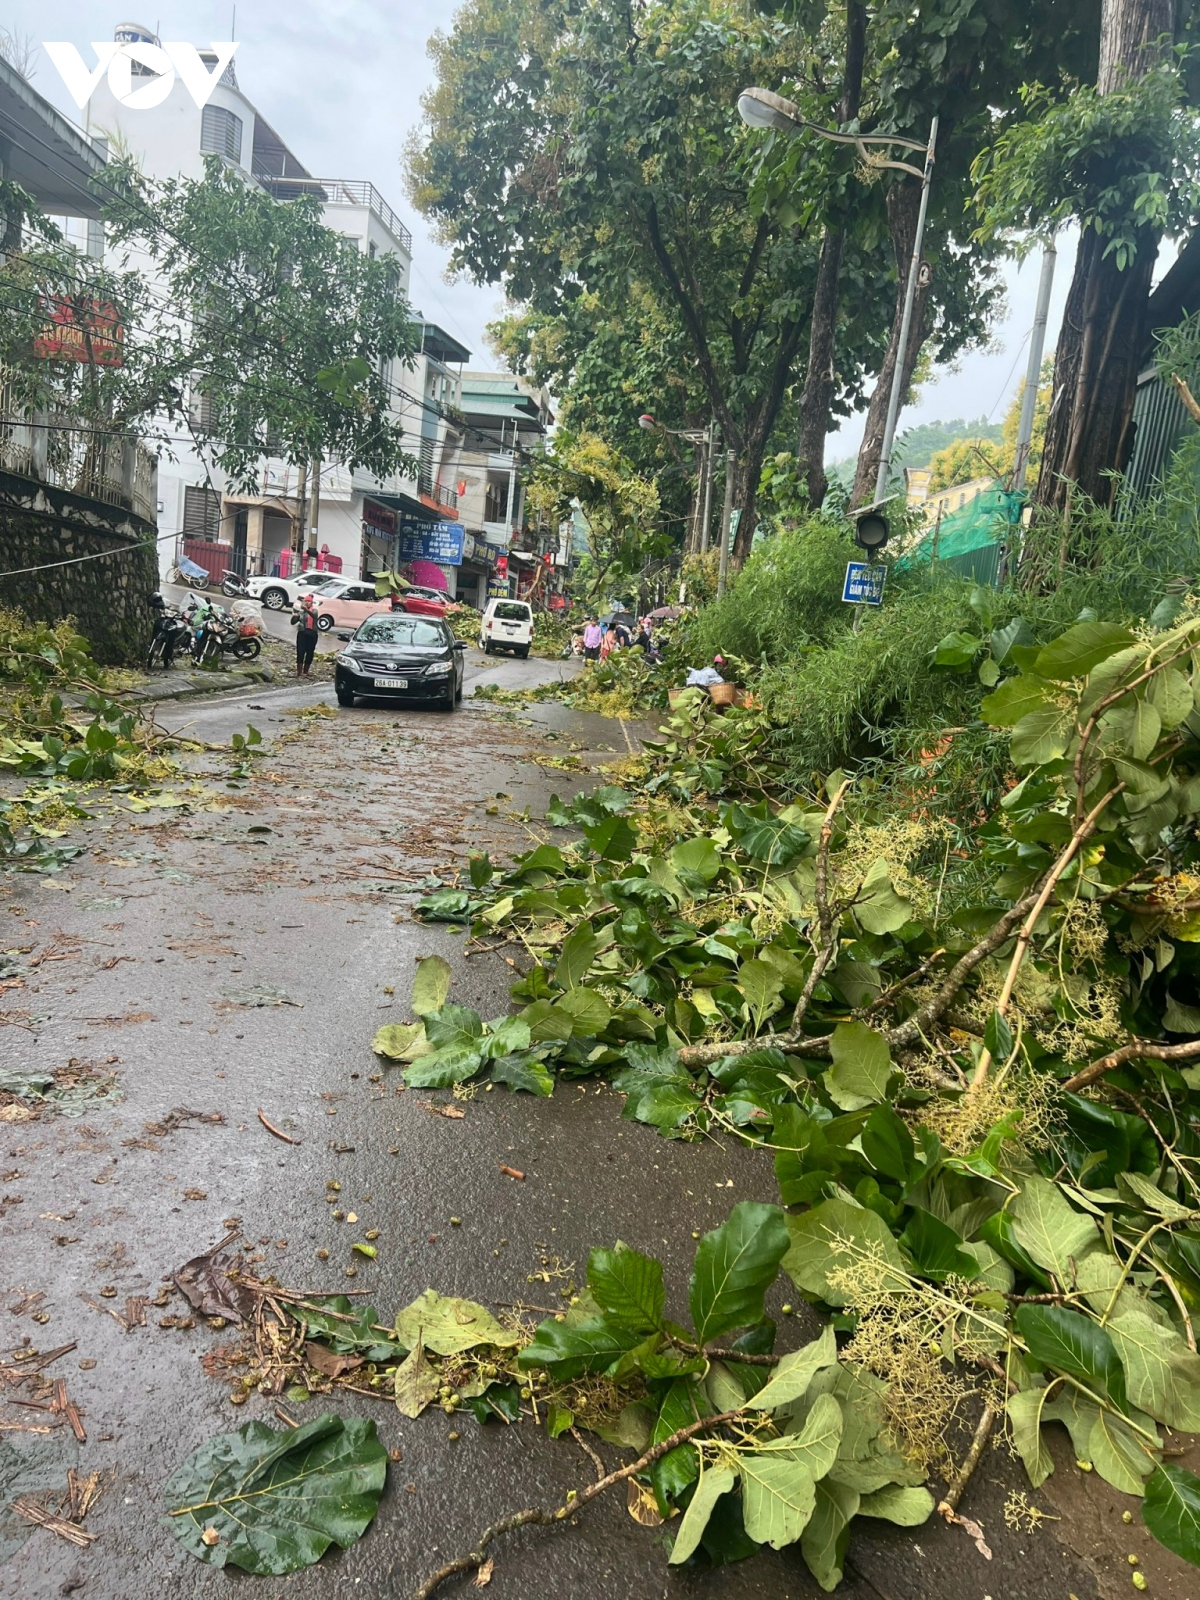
x: 213, y: 633
x: 234, y: 585
x: 170, y: 635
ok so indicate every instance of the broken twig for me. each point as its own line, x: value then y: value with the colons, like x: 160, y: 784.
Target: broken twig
x: 271, y: 1128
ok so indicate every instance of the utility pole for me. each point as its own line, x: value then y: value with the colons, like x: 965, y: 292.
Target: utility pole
x: 1037, y: 343
x: 726, y: 519
x: 710, y: 452
x: 315, y: 512
x: 910, y: 295
x: 301, y: 498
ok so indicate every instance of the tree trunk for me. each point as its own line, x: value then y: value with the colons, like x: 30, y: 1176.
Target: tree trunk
x: 1089, y: 434
x: 816, y: 399
x: 903, y: 204
x: 820, y: 380
x: 746, y: 474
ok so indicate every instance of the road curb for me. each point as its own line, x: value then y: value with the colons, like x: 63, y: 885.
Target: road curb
x: 195, y: 685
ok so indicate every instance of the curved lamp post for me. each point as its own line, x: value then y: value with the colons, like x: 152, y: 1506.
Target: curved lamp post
x: 762, y: 108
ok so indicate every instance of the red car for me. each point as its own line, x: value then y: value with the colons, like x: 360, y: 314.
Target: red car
x: 421, y: 603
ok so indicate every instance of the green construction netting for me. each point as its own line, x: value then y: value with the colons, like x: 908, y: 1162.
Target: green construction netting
x: 989, y: 518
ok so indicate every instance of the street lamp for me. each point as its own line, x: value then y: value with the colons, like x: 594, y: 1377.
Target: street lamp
x: 762, y: 108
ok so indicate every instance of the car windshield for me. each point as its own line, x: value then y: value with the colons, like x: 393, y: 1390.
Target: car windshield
x: 400, y: 630
x: 512, y: 611
x: 320, y: 580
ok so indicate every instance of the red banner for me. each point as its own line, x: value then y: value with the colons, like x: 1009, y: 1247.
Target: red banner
x: 82, y: 331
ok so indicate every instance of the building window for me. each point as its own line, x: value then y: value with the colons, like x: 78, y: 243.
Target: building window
x: 201, y: 513
x: 221, y: 132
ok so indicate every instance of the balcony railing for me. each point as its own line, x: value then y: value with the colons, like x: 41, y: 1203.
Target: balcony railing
x: 339, y: 192
x: 67, y: 452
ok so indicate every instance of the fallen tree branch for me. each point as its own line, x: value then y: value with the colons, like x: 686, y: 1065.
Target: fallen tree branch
x: 1136, y: 1049
x: 1051, y: 878
x: 827, y: 923
x: 542, y: 1517
x: 948, y: 1504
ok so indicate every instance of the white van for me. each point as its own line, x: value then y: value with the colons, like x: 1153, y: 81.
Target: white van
x: 507, y: 625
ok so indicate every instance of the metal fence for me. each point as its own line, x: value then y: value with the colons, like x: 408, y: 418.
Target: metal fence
x: 57, y: 448
x: 339, y: 192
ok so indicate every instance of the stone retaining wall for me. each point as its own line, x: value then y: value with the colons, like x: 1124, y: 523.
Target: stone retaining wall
x: 106, y: 596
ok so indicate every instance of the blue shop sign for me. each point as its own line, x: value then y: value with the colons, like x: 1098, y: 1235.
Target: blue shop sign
x: 441, y: 542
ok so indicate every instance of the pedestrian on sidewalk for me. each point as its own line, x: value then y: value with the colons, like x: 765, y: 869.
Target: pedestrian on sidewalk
x: 593, y: 637
x: 304, y: 620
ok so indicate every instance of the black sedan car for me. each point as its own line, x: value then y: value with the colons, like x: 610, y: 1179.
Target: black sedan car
x: 401, y: 657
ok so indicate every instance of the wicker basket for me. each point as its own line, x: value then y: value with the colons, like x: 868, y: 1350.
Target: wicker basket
x: 674, y: 696
x: 723, y: 694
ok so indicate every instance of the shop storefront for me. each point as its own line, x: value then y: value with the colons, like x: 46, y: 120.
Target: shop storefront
x: 378, y: 538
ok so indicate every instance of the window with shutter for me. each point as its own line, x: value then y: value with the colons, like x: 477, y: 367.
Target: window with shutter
x: 221, y: 132
x: 201, y: 512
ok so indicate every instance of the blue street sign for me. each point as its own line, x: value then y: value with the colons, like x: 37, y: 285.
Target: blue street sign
x: 864, y: 583
x: 440, y: 542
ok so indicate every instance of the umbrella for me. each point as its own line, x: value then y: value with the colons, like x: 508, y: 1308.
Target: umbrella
x: 665, y: 613
x: 617, y: 616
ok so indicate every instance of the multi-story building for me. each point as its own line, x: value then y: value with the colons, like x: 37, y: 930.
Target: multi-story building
x: 355, y: 522
x: 506, y: 419
x: 77, y: 500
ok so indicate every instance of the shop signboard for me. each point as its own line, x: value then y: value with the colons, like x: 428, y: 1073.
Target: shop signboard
x: 440, y: 542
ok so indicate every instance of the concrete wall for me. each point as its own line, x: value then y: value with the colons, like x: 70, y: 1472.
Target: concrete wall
x: 106, y: 597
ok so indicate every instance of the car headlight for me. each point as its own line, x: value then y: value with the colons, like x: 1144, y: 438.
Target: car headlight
x: 344, y: 659
x: 439, y: 669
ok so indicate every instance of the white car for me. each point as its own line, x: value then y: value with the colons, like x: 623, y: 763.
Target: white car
x: 507, y: 625
x: 279, y: 594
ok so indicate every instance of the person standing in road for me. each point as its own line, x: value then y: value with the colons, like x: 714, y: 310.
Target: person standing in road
x: 304, y: 620
x: 593, y: 637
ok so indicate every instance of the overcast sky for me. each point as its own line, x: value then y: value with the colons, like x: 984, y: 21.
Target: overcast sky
x: 341, y: 82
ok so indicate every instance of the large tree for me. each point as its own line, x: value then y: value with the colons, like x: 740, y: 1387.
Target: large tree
x: 597, y: 151
x: 283, y: 326
x: 889, y: 73
x: 1117, y: 156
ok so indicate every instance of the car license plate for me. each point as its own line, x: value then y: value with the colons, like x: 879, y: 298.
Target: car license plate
x: 391, y: 683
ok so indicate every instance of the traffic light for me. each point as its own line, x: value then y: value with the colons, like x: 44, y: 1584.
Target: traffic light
x: 870, y: 529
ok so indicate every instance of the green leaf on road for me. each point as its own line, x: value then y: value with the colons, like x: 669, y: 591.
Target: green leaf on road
x: 453, y: 1028
x: 908, y: 1508
x: 416, y: 1383
x: 778, y: 1497
x: 878, y: 907
x: 1049, y: 1228
x: 823, y: 1543
x: 278, y: 1499
x: 1072, y: 1342
x: 819, y: 1240
x: 576, y: 956
x: 431, y: 985
x: 762, y: 985
x: 714, y: 1482
x: 735, y: 1265
x: 400, y: 1041
x: 1171, y: 1511
x: 861, y: 1066
x: 567, y: 1350
x: 791, y: 1378
x: 628, y: 1285
x: 523, y: 1072
x: 446, y: 1325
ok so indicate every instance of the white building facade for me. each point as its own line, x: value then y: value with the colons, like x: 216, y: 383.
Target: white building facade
x: 353, y: 522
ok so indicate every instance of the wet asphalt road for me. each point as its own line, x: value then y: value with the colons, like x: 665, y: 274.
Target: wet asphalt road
x: 142, y: 951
